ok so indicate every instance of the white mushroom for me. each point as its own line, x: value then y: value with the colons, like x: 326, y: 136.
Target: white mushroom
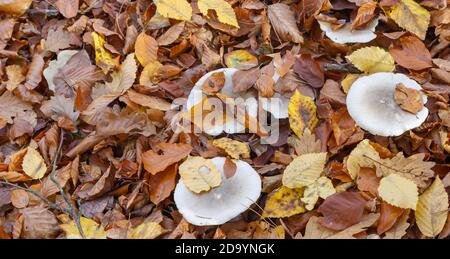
x: 221, y: 204
x: 346, y: 35
x: 54, y: 66
x: 278, y: 103
x: 370, y: 102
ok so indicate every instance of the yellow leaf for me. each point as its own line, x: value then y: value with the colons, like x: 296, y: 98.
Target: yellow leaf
x: 302, y: 113
x: 91, y: 229
x: 225, y: 12
x: 240, y: 59
x: 363, y: 155
x: 149, y: 230
x: 347, y: 82
x: 432, y: 209
x: 284, y: 202
x: 372, y: 60
x: 174, y: 9
x: 322, y: 187
x: 233, y: 148
x: 146, y: 48
x: 399, y: 191
x: 199, y: 174
x: 123, y: 78
x: 103, y: 58
x: 33, y: 164
x: 304, y: 170
x: 411, y: 16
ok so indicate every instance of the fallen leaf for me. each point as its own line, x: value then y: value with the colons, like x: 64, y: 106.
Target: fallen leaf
x: 284, y: 202
x: 367, y: 181
x: 20, y: 198
x: 68, y: 8
x: 410, y: 52
x: 304, y: 170
x: 171, y: 35
x: 146, y: 48
x: 91, y: 229
x: 172, y: 153
x: 224, y: 11
x: 322, y: 187
x: 408, y: 99
x: 103, y: 58
x: 233, y: 148
x: 199, y: 174
x: 39, y: 223
x: 399, y: 191
x: 15, y: 7
x: 13, y: 107
x: 148, y: 230
x: 399, y: 229
x: 365, y: 13
x: 305, y: 144
x: 240, y: 59
x: 341, y: 210
x: 283, y: 22
x: 214, y: 83
x: 372, y: 60
x: 175, y: 9
x: 388, y: 217
x: 33, y: 164
x: 149, y: 101
x: 161, y: 185
x: 409, y: 15
x: 363, y: 155
x: 302, y: 113
x: 432, y: 209
x: 308, y: 69
x: 229, y: 168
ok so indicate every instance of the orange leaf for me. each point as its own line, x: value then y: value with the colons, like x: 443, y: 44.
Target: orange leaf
x: 172, y: 153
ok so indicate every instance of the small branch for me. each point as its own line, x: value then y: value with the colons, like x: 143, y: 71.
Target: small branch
x: 72, y: 210
x: 348, y: 68
x: 52, y: 205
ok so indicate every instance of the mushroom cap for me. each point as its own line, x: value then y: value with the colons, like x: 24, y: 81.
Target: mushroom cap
x: 346, y: 35
x: 232, y: 126
x: 54, y: 66
x: 370, y: 102
x: 221, y: 204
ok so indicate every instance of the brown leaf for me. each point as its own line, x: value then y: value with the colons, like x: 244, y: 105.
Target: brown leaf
x: 229, y: 168
x: 58, y: 39
x: 15, y: 7
x: 161, y: 185
x: 388, y: 217
x: 34, y: 75
x: 149, y: 101
x: 283, y: 21
x: 39, y: 223
x: 171, y: 35
x: 68, y: 8
x: 214, y: 83
x: 409, y: 99
x: 172, y: 153
x: 309, y: 70
x: 411, y: 53
x: 341, y: 210
x: 245, y: 79
x: 146, y: 48
x: 332, y: 93
x: 265, y: 83
x: 365, y: 13
x: 343, y: 126
x: 368, y: 181
x: 19, y: 198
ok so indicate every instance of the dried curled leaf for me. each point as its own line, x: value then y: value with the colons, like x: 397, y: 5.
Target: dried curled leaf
x: 174, y: 9
x: 199, y: 174
x: 233, y: 148
x: 322, y: 187
x: 302, y: 113
x: 224, y: 11
x: 91, y: 229
x: 283, y: 21
x: 409, y: 15
x: 408, y: 99
x: 432, y: 209
x: 372, y: 60
x: 284, y: 202
x: 33, y: 164
x: 399, y: 191
x: 304, y: 170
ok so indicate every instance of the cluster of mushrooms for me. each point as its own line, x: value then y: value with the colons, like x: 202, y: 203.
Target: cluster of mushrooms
x: 370, y: 102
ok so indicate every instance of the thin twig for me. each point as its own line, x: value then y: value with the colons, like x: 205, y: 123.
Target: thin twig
x: 52, y: 205
x: 348, y: 68
x: 72, y: 210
